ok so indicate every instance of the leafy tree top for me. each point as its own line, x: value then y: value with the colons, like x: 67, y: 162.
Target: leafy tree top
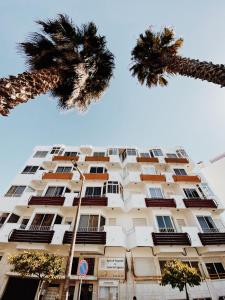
x: 178, y: 274
x: 41, y: 264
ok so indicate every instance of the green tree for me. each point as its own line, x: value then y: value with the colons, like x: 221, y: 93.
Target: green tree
x: 156, y: 55
x: 72, y: 63
x: 178, y: 274
x: 41, y: 264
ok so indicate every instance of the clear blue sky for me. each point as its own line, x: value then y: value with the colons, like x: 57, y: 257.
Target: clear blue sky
x: 189, y: 112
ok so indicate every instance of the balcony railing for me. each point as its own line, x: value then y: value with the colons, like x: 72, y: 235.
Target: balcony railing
x: 65, y: 158
x: 212, y: 238
x: 171, y: 238
x: 160, y: 202
x: 58, y: 176
x: 176, y: 160
x: 198, y: 202
x: 92, y: 201
x: 33, y: 235
x: 186, y: 178
x: 45, y: 200
x: 86, y: 237
x: 96, y: 176
x: 148, y: 159
x: 152, y: 177
x: 97, y: 158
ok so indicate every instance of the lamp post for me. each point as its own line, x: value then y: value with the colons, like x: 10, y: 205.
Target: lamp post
x: 69, y: 263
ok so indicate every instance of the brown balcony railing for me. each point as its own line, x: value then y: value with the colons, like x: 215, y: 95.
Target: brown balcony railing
x: 44, y: 200
x: 31, y: 236
x: 176, y: 160
x: 171, y: 238
x: 96, y: 176
x: 148, y: 159
x: 64, y: 158
x: 58, y: 176
x: 97, y: 158
x: 86, y: 237
x: 186, y: 178
x: 212, y: 238
x: 160, y: 202
x: 91, y: 201
x: 152, y: 177
x: 198, y: 202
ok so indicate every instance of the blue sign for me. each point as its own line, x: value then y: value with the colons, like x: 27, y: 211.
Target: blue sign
x: 83, y: 267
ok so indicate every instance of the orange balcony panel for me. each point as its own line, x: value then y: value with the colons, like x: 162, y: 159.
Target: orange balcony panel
x: 145, y: 177
x: 96, y: 176
x: 148, y: 159
x: 97, y: 158
x: 176, y: 160
x: 186, y: 178
x: 59, y: 176
x: 64, y: 158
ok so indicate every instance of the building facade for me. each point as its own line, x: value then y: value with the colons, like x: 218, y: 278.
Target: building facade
x: 140, y: 208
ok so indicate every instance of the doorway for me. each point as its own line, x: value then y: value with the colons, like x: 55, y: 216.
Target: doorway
x: 86, y: 291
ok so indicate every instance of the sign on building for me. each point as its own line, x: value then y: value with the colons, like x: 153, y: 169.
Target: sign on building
x: 111, y: 267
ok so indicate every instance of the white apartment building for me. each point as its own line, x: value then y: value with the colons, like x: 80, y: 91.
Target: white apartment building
x: 140, y: 208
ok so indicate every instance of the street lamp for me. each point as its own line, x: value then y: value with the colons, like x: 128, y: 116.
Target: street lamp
x: 74, y: 235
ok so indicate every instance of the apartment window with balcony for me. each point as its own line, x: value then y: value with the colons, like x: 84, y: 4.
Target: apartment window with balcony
x: 171, y: 155
x: 180, y: 172
x: 3, y: 217
x: 40, y: 154
x: 215, y: 270
x: 13, y: 218
x: 128, y: 152
x: 156, y: 152
x: 63, y: 169
x: 165, y: 224
x: 144, y: 154
x: 113, y: 151
x: 155, y: 192
x: 181, y: 153
x: 54, y: 191
x: 91, y: 223
x: 99, y: 154
x: 95, y: 191
x: 57, y: 150
x: 71, y: 153
x: 207, y: 224
x: 15, y: 191
x: 30, y: 170
x: 42, y: 222
x: 98, y: 170
x: 112, y: 187
x: 191, y: 193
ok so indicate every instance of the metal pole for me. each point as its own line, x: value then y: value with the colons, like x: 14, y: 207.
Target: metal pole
x: 80, y: 289
x: 73, y: 241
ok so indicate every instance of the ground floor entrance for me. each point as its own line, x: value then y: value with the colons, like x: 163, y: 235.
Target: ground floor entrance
x: 20, y: 289
x: 86, y: 291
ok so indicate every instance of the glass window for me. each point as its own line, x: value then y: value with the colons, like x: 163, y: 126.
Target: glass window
x: 54, y: 191
x: 63, y: 169
x: 42, y: 221
x: 30, y: 170
x: 155, y: 193
x: 171, y: 155
x: 15, y: 191
x: 144, y: 154
x: 93, y: 191
x: 75, y: 265
x: 181, y: 153
x: 56, y: 150
x: 180, y: 172
x: 113, y: 151
x: 3, y: 217
x: 156, y: 152
x: 40, y: 154
x: 97, y: 170
x: 165, y: 224
x: 99, y: 154
x: 13, y: 218
x: 207, y: 224
x: 191, y: 193
x: 215, y: 270
x: 131, y: 152
x: 24, y: 223
x: 88, y: 223
x: 70, y: 153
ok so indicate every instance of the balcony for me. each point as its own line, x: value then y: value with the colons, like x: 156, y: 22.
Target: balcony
x: 97, y: 158
x: 31, y: 236
x: 198, y: 203
x: 171, y: 239
x: 186, y: 178
x: 65, y: 158
x: 147, y: 159
x: 153, y: 177
x: 56, y: 201
x: 91, y: 201
x: 160, y: 202
x: 212, y: 238
x: 96, y: 176
x: 57, y: 176
x: 176, y: 160
x: 86, y: 237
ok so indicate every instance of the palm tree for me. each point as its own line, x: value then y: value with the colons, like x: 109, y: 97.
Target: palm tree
x: 72, y: 63
x: 156, y: 55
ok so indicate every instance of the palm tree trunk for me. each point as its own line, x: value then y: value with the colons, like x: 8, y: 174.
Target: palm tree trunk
x: 197, y: 69
x: 19, y: 89
x: 187, y: 296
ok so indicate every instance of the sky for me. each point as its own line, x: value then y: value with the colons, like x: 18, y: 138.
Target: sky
x: 188, y: 112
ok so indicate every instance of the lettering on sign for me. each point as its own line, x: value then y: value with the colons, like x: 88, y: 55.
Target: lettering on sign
x: 111, y: 267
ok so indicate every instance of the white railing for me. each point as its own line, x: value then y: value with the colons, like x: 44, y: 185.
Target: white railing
x: 39, y: 228
x: 167, y: 229
x: 91, y: 229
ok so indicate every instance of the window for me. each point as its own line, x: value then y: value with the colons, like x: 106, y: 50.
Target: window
x: 113, y: 151
x: 75, y: 265
x: 95, y: 191
x: 207, y: 224
x: 149, y: 170
x: 156, y: 152
x: 191, y: 193
x: 128, y: 152
x: 15, y: 191
x: 63, y: 169
x: 30, y: 170
x: 91, y: 223
x: 165, y: 224
x: 24, y: 223
x: 40, y: 154
x: 180, y: 172
x: 155, y: 193
x: 112, y: 187
x: 3, y: 217
x: 13, y: 218
x: 56, y: 150
x: 181, y: 153
x: 70, y: 153
x: 215, y: 270
x: 58, y: 220
x: 54, y: 191
x: 171, y: 155
x: 144, y: 154
x: 42, y: 221
x: 99, y: 154
x: 205, y: 190
x: 98, y: 170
